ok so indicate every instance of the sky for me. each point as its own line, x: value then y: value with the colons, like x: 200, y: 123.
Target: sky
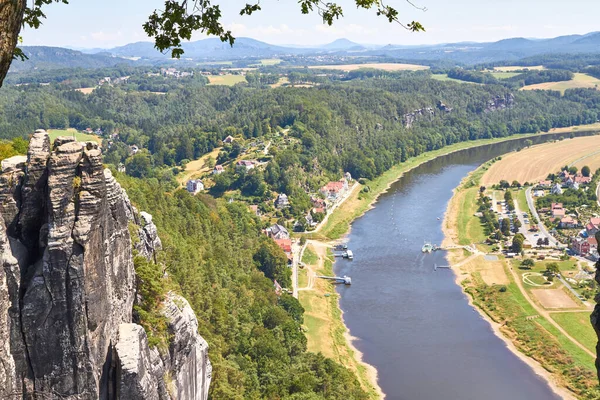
x: 110, y: 23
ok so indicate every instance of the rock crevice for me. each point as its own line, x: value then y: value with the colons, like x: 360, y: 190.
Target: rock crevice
x: 67, y: 285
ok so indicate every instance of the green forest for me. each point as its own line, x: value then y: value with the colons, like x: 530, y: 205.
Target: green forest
x: 215, y: 253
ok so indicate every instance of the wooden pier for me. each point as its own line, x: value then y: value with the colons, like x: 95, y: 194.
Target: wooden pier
x: 346, y: 280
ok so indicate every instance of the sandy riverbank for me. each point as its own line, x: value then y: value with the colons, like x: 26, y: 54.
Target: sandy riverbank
x: 449, y: 228
x: 358, y: 203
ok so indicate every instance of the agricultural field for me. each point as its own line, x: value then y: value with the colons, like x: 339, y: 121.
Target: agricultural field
x: 503, y: 75
x: 228, y: 80
x: 86, y: 90
x: 282, y: 81
x: 446, y: 78
x: 579, y: 81
x: 535, y: 163
x: 382, y: 66
x: 80, y: 137
x: 512, y: 68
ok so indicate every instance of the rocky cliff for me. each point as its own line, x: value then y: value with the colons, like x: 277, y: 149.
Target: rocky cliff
x: 67, y: 286
x: 595, y: 317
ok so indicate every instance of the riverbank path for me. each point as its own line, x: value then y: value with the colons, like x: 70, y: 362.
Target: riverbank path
x: 546, y: 314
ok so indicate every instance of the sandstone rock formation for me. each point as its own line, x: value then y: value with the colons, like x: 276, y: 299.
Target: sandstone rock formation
x: 595, y: 317
x: 67, y: 286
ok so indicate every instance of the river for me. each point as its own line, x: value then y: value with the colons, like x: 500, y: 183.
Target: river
x: 413, y: 323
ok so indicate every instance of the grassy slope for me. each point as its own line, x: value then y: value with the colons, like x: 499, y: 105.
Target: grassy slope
x: 578, y: 325
x: 81, y: 137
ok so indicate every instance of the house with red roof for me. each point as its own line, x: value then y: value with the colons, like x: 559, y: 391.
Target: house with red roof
x: 592, y: 227
x: 568, y: 222
x: 334, y: 190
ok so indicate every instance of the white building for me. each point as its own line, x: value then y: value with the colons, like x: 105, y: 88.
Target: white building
x: 194, y: 186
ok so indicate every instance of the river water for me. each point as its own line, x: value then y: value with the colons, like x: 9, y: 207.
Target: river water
x: 413, y: 323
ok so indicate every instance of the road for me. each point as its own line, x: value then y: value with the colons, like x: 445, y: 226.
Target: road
x: 535, y: 214
x: 297, y: 253
x: 336, y: 205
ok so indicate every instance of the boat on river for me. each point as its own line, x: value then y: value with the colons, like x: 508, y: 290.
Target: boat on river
x: 427, y: 248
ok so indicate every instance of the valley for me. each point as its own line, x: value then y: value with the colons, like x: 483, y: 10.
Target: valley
x: 320, y: 211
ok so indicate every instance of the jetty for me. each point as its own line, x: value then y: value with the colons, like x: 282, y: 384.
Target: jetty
x: 435, y: 267
x: 346, y: 280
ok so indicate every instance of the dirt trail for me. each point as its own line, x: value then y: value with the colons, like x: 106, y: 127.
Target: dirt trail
x: 546, y: 314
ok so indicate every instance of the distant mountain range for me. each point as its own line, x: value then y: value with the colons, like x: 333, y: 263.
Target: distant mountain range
x: 42, y: 57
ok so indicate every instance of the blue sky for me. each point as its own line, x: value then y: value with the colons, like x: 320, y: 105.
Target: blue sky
x: 109, y: 23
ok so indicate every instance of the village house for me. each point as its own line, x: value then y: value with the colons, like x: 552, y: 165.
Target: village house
x: 580, y: 246
x: 592, y: 227
x: 568, y: 222
x: 545, y: 184
x: 310, y: 220
x: 348, y: 176
x: 286, y: 246
x: 245, y: 164
x: 228, y: 139
x: 583, y: 180
x: 282, y: 201
x: 218, y: 170
x: 572, y: 184
x: 133, y: 149
x: 277, y: 232
x: 334, y: 190
x: 538, y: 193
x: 557, y: 210
x: 556, y: 189
x: 121, y: 167
x: 318, y: 202
x: 194, y: 186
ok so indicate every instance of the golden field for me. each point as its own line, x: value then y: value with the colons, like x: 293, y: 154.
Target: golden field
x: 535, y: 163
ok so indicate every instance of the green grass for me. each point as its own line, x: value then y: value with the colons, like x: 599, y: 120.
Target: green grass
x: 519, y: 195
x: 302, y: 278
x: 227, y: 80
x: 504, y: 75
x: 80, y: 137
x: 309, y: 257
x: 577, y: 324
x: 446, y: 78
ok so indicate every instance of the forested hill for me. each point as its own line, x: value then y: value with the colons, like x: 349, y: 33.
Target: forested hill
x: 214, y: 250
x: 361, y: 126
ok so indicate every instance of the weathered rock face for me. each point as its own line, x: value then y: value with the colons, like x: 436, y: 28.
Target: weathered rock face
x: 67, y: 284
x: 595, y: 317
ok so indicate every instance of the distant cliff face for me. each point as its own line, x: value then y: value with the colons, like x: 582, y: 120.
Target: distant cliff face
x: 67, y: 286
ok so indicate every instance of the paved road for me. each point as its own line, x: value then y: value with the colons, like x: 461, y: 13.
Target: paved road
x: 534, y: 213
x: 297, y: 253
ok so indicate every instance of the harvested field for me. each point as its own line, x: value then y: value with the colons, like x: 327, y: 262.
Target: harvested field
x: 535, y: 163
x: 228, y: 80
x: 579, y: 81
x: 86, y: 90
x: 554, y: 298
x: 383, y: 66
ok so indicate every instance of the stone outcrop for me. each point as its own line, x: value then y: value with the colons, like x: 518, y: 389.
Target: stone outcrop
x: 67, y: 286
x: 500, y: 102
x: 595, y: 317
